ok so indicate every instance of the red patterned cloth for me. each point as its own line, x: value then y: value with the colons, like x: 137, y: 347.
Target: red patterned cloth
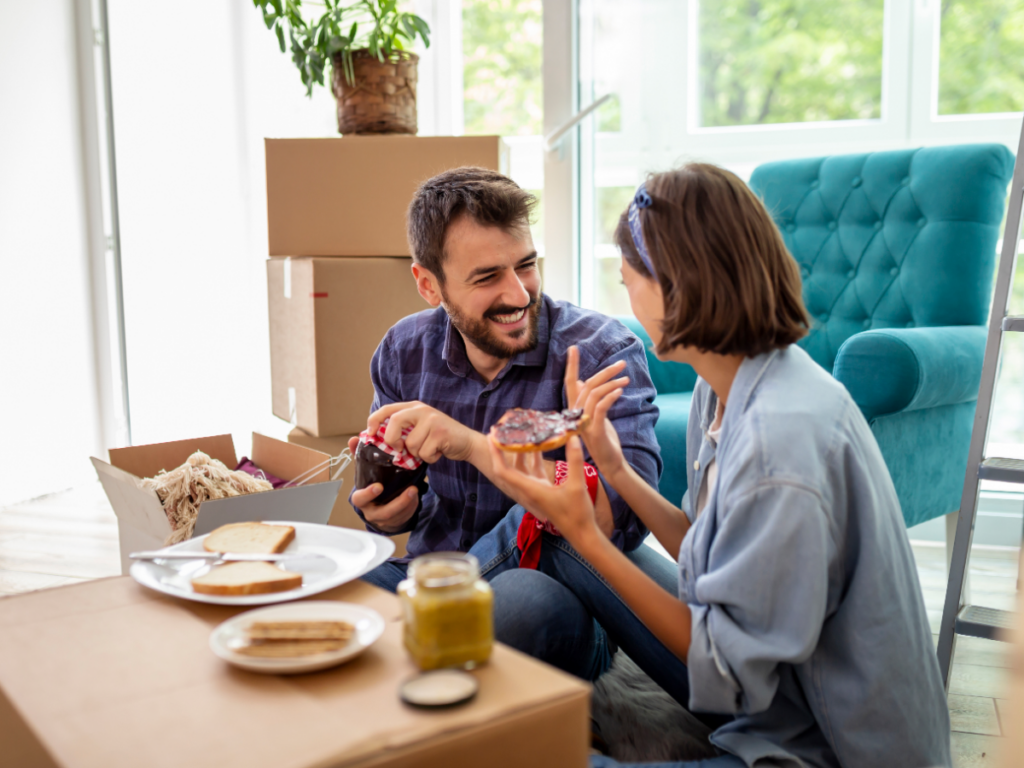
x: 402, y: 458
x: 529, y: 536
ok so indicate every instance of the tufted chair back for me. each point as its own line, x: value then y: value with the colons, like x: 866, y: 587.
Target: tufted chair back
x: 898, y: 239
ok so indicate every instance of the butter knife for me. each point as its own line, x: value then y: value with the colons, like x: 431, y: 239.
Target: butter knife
x: 229, y: 557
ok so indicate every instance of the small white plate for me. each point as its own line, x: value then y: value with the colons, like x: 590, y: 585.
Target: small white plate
x: 348, y: 555
x: 368, y: 623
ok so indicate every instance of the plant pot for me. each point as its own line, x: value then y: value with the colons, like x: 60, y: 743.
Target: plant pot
x: 383, y: 97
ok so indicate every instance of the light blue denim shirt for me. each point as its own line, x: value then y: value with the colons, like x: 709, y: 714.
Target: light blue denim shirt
x: 808, y: 621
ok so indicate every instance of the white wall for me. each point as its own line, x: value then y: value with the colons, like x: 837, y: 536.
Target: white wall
x: 192, y: 105
x: 195, y: 93
x: 48, y: 405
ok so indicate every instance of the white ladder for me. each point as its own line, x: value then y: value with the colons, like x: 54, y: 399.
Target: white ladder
x: 958, y: 618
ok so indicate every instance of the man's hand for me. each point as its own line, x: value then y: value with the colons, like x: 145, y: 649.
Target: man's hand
x: 390, y: 517
x: 433, y: 433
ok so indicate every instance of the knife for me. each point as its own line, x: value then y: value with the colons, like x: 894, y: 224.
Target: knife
x: 230, y: 557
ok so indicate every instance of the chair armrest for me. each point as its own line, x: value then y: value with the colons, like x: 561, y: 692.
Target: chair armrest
x: 892, y: 370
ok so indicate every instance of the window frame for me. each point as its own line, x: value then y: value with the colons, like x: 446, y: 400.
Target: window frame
x: 909, y: 118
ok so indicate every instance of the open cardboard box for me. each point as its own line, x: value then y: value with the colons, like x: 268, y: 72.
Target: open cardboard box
x: 142, y: 523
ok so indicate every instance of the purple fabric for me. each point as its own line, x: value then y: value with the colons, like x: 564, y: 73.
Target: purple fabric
x: 246, y: 465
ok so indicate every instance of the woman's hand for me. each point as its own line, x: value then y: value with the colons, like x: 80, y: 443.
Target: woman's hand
x: 595, y: 396
x: 568, y: 506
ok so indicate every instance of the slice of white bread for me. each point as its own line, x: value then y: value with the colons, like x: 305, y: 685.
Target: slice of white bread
x: 246, y: 579
x: 249, y: 538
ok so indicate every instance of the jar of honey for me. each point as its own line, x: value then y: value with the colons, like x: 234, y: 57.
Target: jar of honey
x: 448, y: 611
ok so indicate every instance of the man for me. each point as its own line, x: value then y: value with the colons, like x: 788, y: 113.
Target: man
x: 492, y: 342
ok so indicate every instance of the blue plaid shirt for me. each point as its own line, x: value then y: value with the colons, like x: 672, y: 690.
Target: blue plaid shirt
x: 423, y: 357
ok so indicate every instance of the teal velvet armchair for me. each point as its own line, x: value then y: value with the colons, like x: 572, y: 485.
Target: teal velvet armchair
x: 896, y: 252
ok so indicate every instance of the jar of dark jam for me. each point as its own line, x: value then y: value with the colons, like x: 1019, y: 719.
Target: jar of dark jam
x: 375, y: 466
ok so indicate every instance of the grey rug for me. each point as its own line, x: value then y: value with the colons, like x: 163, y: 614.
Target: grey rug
x: 642, y: 723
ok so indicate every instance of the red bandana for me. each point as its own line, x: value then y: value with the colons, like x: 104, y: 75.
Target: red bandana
x: 402, y: 458
x: 530, y: 529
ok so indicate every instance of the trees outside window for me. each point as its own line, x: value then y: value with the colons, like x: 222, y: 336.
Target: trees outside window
x: 981, y: 57
x: 789, y: 61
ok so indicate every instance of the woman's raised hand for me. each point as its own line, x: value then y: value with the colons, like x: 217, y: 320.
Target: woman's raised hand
x: 595, y: 396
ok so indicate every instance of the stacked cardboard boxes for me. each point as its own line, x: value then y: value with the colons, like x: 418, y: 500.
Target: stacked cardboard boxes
x: 339, y: 274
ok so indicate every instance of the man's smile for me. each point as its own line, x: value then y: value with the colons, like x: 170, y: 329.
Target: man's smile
x: 510, y: 321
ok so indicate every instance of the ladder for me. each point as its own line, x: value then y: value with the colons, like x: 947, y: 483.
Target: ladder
x: 958, y: 618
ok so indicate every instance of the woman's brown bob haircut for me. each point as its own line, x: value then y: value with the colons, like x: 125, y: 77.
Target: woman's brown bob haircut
x: 729, y: 283
x: 487, y: 197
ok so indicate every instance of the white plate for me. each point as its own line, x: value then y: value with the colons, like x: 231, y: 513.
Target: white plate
x: 368, y: 623
x: 349, y: 554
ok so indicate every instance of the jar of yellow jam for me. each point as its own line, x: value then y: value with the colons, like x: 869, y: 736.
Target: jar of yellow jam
x: 448, y: 611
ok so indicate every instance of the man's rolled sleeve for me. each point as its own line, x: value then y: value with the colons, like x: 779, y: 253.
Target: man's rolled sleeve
x: 755, y: 608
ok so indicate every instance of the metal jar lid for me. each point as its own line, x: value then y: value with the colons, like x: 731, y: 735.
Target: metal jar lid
x: 440, y: 688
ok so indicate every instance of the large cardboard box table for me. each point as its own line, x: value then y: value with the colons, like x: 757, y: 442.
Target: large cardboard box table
x: 107, y: 674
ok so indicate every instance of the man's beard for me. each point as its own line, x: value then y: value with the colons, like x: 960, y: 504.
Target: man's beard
x: 482, y: 335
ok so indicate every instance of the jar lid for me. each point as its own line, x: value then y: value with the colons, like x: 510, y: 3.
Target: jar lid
x: 440, y: 688
x: 444, y: 569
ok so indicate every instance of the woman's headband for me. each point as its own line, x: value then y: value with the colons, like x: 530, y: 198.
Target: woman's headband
x: 640, y: 200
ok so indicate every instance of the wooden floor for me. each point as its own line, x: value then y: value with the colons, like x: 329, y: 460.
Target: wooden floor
x: 71, y: 537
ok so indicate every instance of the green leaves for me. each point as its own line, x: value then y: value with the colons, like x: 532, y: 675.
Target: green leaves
x: 421, y: 26
x: 314, y: 43
x: 790, y: 61
x: 981, y: 57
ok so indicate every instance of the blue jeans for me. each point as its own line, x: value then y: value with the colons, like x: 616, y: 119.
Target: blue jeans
x: 571, y: 588
x: 569, y: 638
x: 565, y: 613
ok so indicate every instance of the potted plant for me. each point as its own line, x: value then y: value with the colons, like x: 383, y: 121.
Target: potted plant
x: 373, y: 76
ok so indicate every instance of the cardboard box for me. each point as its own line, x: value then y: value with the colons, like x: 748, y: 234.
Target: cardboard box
x: 142, y: 523
x: 1011, y: 716
x: 343, y: 514
x: 348, y: 196
x: 327, y: 317
x: 108, y: 673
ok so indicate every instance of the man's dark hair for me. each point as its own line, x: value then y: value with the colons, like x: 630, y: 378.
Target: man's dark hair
x: 487, y: 197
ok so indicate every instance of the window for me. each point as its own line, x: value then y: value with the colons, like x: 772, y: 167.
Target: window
x: 789, y: 62
x: 981, y: 57
x: 502, y: 87
x: 501, y: 49
x: 741, y: 82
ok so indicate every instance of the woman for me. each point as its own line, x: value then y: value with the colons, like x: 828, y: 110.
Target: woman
x: 799, y: 613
